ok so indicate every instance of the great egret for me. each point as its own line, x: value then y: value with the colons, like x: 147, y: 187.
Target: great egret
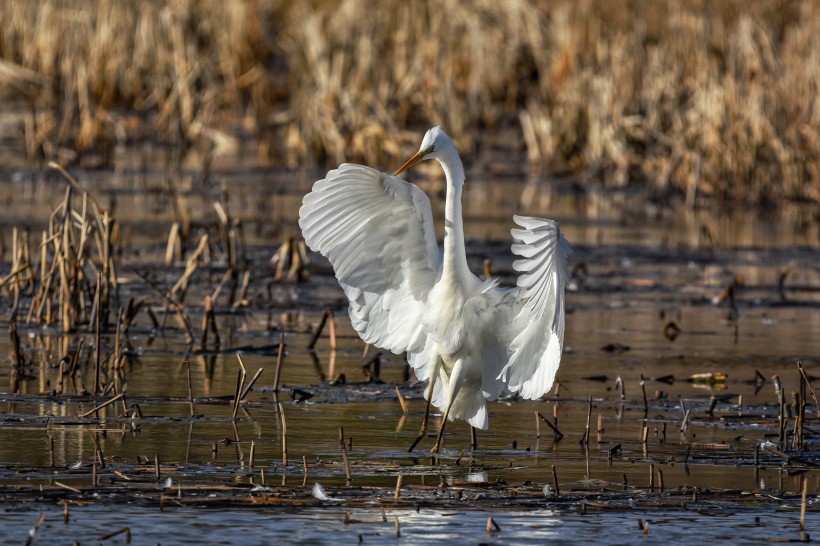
x: 471, y: 339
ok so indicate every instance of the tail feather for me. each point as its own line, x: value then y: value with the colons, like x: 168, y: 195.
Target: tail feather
x: 469, y: 404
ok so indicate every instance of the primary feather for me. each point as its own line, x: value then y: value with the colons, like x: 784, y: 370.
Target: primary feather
x: 377, y: 231
x: 476, y: 340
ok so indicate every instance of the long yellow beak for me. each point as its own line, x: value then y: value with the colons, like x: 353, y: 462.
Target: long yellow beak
x: 412, y: 161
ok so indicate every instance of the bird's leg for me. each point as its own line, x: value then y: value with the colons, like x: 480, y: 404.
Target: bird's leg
x: 456, y: 379
x: 423, y: 431
x: 441, y: 428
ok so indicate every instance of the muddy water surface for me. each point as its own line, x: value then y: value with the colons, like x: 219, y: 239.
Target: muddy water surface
x: 636, y: 270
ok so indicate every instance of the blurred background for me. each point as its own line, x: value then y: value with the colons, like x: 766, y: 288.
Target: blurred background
x: 691, y: 101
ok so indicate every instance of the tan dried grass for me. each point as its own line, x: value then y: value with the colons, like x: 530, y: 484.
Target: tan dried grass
x: 714, y: 99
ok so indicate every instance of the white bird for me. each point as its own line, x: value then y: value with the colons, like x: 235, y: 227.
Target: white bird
x: 472, y: 340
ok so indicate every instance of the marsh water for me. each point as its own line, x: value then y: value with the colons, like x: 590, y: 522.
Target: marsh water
x: 647, y: 310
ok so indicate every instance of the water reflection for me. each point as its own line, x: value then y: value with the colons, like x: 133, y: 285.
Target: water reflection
x: 326, y: 525
x: 634, y: 272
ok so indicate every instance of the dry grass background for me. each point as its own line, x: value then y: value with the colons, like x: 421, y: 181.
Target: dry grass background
x: 695, y: 98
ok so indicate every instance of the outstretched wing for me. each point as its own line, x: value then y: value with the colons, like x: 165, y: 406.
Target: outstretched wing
x: 537, y: 331
x: 377, y: 231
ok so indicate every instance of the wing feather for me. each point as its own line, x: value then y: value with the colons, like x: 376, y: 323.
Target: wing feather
x: 536, y: 332
x: 377, y: 231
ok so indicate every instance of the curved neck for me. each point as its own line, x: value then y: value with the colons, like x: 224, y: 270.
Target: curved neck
x: 455, y: 258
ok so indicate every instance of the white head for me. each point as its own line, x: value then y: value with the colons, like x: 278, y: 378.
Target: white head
x: 435, y: 141
x: 435, y: 145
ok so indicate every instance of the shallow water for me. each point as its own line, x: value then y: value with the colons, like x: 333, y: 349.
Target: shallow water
x: 426, y: 526
x: 634, y: 272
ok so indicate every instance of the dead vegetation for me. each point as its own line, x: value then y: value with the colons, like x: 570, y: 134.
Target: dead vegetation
x: 696, y: 99
x: 68, y: 280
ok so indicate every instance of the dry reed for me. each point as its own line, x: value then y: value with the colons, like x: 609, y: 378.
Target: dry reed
x: 694, y: 99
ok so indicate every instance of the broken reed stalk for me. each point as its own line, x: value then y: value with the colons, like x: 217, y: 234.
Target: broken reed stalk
x: 473, y: 439
x: 600, y: 428
x: 117, y: 334
x: 643, y: 390
x: 397, y: 493
x: 190, y: 389
x: 209, y: 324
x: 585, y: 437
x: 800, y: 405
x: 249, y: 386
x: 17, y: 362
x: 345, y: 459
x: 182, y: 321
x: 280, y: 257
x: 685, y: 422
x: 284, y: 438
x: 174, y: 245
x: 799, y: 421
x: 328, y: 314
x: 279, y: 357
x: 157, y: 472
x: 240, y: 380
x: 191, y: 266
x: 710, y: 411
x: 252, y: 455
x: 112, y: 534
x: 97, y: 450
x: 555, y: 481
x: 538, y: 417
x: 402, y: 401
x: 304, y: 470
x: 242, y: 299
x: 104, y: 404
x: 491, y: 524
x: 811, y: 389
x: 651, y: 477
x: 170, y: 305
x: 781, y: 420
x: 97, y: 347
x: 558, y: 434
x: 68, y: 487
x: 75, y: 359
x: 398, y: 528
